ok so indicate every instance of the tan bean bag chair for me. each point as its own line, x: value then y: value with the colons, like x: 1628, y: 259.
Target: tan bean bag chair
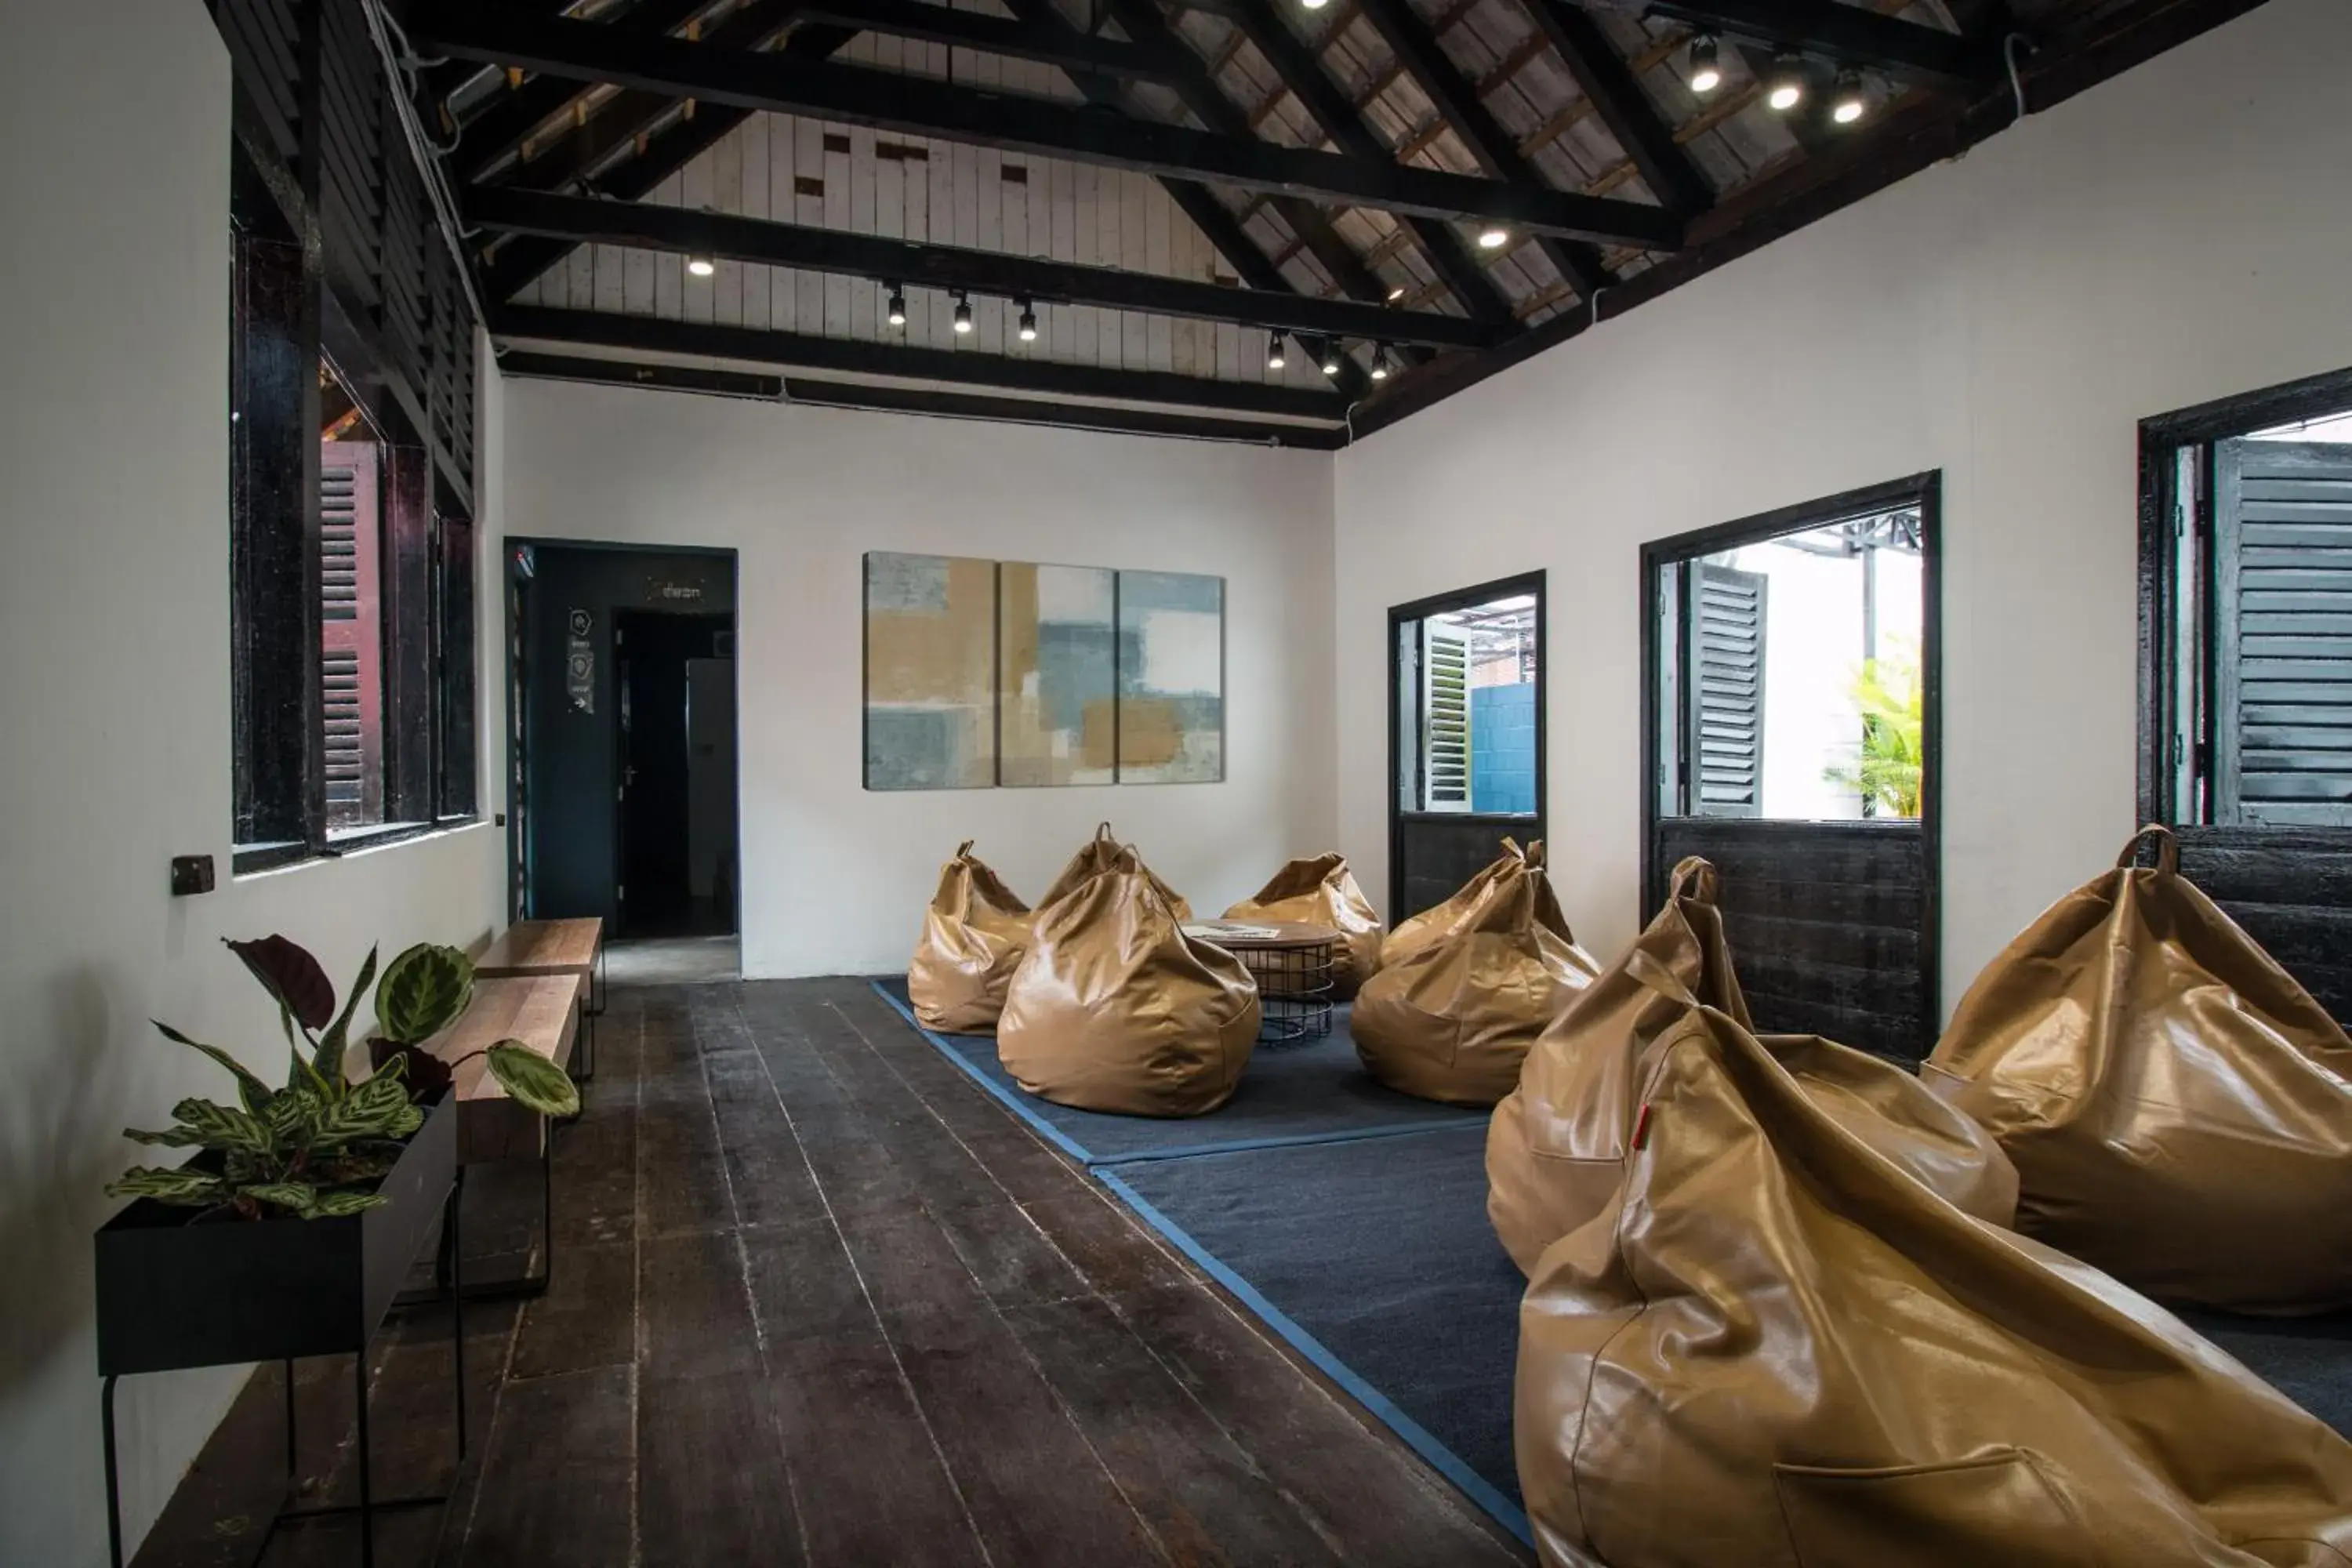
x: 1438, y: 919
x: 1104, y: 853
x: 1774, y: 1348
x: 1321, y: 892
x: 1115, y: 1008
x: 974, y: 936
x: 1556, y: 1148
x: 1453, y: 1017
x: 2180, y: 1109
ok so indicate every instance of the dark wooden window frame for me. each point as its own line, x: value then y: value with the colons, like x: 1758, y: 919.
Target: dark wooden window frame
x: 1924, y: 490
x: 1401, y: 615
x: 2161, y: 440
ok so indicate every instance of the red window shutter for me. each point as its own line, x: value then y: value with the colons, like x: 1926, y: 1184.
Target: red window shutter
x: 350, y: 622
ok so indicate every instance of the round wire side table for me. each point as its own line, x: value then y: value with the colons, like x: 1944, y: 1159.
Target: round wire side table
x: 1292, y: 963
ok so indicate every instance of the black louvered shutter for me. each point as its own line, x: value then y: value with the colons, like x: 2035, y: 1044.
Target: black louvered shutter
x: 1726, y: 706
x: 2283, y: 633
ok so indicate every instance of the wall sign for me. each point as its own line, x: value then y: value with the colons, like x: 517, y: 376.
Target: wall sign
x: 674, y: 593
x: 580, y: 663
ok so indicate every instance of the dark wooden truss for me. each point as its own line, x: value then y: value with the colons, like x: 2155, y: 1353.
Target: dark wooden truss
x: 587, y: 119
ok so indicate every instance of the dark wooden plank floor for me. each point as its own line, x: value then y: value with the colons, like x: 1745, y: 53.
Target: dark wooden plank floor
x: 818, y: 1300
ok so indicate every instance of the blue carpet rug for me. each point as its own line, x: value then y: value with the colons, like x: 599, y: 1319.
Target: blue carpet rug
x: 1310, y: 1093
x: 1375, y: 1258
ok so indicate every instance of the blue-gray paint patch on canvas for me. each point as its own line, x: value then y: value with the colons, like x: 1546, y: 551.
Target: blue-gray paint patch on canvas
x: 1074, y: 668
x: 907, y: 583
x: 1171, y: 591
x: 912, y: 748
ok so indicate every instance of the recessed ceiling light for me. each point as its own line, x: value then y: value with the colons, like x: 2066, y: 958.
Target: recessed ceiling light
x: 1494, y: 237
x: 701, y: 266
x: 1396, y: 293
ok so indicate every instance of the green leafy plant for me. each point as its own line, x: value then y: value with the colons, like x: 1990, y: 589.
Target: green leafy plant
x: 422, y: 992
x: 319, y: 1146
x: 1887, y: 768
x: 316, y: 1147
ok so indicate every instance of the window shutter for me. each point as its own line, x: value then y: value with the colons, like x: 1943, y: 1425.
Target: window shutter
x: 454, y: 653
x: 2283, y: 633
x: 1444, y: 719
x: 1725, y: 710
x: 350, y: 633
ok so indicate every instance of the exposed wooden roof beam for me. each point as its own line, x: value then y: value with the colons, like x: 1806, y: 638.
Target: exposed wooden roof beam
x: 910, y: 106
x: 1014, y: 37
x: 683, y: 231
x: 654, y: 334
x: 500, y: 129
x: 1616, y: 95
x: 1843, y: 35
x: 1412, y: 41
x: 1302, y: 72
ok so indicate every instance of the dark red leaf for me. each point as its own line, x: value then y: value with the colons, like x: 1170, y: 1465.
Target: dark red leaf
x: 424, y: 1074
x: 288, y: 972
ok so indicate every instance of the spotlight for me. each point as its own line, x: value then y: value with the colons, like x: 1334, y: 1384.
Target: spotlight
x: 1494, y: 237
x: 1786, y: 88
x: 1396, y: 293
x: 963, y: 314
x: 1314, y: 4
x: 898, y: 317
x: 701, y: 266
x: 1848, y: 103
x: 1028, y: 322
x: 1273, y: 360
x: 1705, y: 64
x: 1380, y: 361
x: 1332, y: 352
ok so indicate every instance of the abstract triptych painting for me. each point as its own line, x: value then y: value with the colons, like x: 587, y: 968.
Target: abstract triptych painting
x: 980, y: 673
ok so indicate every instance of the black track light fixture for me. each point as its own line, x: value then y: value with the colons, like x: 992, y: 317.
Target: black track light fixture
x: 1705, y: 64
x: 963, y: 315
x: 897, y: 313
x: 1380, y: 361
x: 1274, y: 355
x: 1785, y: 87
x: 1028, y: 322
x: 1848, y: 101
x: 1333, y: 352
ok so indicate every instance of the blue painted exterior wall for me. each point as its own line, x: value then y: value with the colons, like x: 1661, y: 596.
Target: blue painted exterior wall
x: 1503, y: 748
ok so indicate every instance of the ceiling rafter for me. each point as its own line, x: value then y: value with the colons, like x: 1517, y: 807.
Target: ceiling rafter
x: 683, y: 231
x: 1014, y: 37
x: 1844, y: 34
x: 1610, y: 85
x: 910, y: 362
x: 1466, y: 114
x: 502, y: 128
x: 881, y: 100
x: 1304, y: 74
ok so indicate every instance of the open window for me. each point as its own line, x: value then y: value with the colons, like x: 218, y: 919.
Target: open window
x: 1467, y: 734
x: 2246, y: 671
x: 1790, y: 736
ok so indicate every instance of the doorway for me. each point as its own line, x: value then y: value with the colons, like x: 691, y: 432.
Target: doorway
x: 1465, y: 736
x: 1793, y: 729
x: 676, y: 677
x: 622, y: 794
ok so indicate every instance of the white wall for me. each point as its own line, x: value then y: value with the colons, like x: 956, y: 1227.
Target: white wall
x: 835, y: 878
x: 114, y: 698
x: 2176, y: 234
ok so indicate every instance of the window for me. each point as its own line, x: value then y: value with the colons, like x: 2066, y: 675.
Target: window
x: 352, y: 560
x: 1467, y: 675
x: 2256, y: 697
x: 1791, y: 676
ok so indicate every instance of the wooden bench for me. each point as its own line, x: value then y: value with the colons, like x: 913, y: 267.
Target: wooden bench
x: 542, y: 1011
x: 544, y: 948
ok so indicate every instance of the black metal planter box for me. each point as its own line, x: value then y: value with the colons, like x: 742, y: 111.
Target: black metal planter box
x: 174, y: 1293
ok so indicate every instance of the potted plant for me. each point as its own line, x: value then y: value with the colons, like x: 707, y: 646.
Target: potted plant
x: 290, y: 1229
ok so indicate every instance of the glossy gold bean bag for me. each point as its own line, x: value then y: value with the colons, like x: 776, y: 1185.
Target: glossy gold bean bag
x: 1104, y: 853
x: 1774, y: 1348
x: 974, y: 936
x: 1556, y: 1148
x: 1321, y: 892
x: 1437, y: 919
x: 1115, y: 1008
x: 1453, y: 1017
x: 2180, y: 1109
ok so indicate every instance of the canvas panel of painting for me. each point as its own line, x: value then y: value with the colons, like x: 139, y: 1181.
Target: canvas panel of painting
x: 930, y: 672
x: 1058, y: 668
x: 1171, y: 678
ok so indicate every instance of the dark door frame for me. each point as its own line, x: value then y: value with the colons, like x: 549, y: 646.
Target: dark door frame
x: 519, y: 726
x: 1925, y: 491
x: 1437, y: 605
